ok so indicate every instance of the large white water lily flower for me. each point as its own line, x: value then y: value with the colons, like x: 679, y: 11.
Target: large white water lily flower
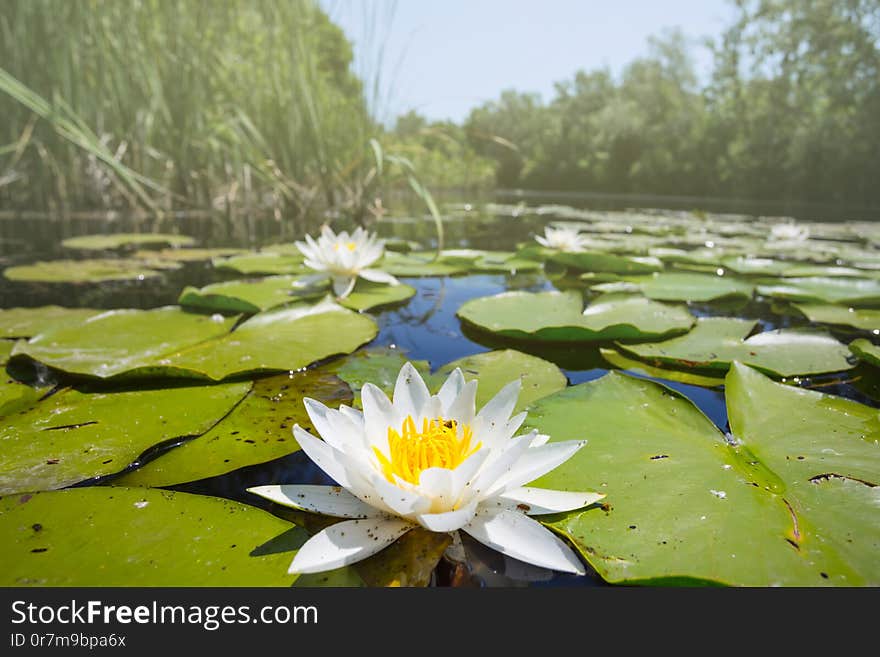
x: 562, y: 239
x: 430, y: 461
x: 345, y: 257
x: 789, y: 232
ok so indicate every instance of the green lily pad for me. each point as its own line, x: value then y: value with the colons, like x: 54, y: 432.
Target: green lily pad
x: 259, y: 429
x: 72, y: 435
x: 850, y: 291
x: 866, y: 351
x: 367, y: 295
x: 27, y: 322
x: 607, y: 262
x: 262, y: 263
x: 756, y: 266
x: 805, y: 271
x: 5, y: 349
x: 286, y: 339
x: 715, y: 342
x: 15, y: 396
x: 117, y: 342
x: 495, y: 369
x: 377, y: 365
x: 250, y: 295
x: 866, y: 319
x: 684, y: 505
x: 559, y: 317
x: 82, y: 271
x: 620, y: 361
x: 187, y: 255
x: 122, y: 240
x: 418, y: 264
x: 680, y: 286
x: 139, y: 537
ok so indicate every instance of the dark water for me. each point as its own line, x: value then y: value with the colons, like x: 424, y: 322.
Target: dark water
x: 425, y: 328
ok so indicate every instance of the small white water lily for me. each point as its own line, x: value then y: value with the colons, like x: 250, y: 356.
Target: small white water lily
x: 562, y: 239
x: 345, y: 257
x: 430, y: 461
x: 789, y: 232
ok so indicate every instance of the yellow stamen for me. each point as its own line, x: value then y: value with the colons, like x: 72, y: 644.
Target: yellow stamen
x: 351, y: 246
x: 437, y: 445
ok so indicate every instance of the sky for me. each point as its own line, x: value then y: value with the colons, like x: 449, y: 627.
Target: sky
x: 444, y: 57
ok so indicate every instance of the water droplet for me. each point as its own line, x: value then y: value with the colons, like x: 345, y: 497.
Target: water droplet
x: 141, y: 504
x: 720, y: 494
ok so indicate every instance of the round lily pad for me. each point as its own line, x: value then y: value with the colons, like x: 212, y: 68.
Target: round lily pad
x: 866, y: 319
x: 715, y: 342
x: 607, y: 262
x: 187, y: 255
x: 418, y: 264
x: 680, y: 286
x: 251, y: 295
x: 620, y: 361
x: 140, y: 537
x: 82, y: 271
x: 560, y: 317
x: 26, y: 322
x: 122, y: 240
x: 262, y: 263
x: 72, y: 435
x: 866, y: 351
x: 367, y: 295
x: 850, y: 291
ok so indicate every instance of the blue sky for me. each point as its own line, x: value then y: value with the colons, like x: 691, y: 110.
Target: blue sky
x: 443, y: 57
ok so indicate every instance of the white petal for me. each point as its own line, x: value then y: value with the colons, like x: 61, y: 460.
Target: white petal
x: 540, y: 240
x: 355, y: 415
x: 405, y: 502
x: 343, y: 285
x: 537, y: 501
x: 497, y: 411
x: 498, y: 436
x: 411, y: 395
x: 520, y: 537
x: 536, y: 461
x: 450, y: 389
x: 339, y: 430
x: 448, y: 521
x: 540, y: 439
x: 378, y: 416
x: 463, y: 407
x: 330, y: 460
x: 500, y: 464
x: 378, y: 276
x: 450, y: 487
x: 329, y: 500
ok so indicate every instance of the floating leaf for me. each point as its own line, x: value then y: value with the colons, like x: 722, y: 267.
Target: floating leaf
x: 187, y: 255
x: 15, y: 396
x: 679, y: 286
x: 367, y: 295
x: 262, y: 263
x: 851, y: 291
x: 417, y: 264
x: 683, y: 504
x: 756, y: 266
x: 377, y: 365
x: 495, y: 369
x: 259, y: 429
x: 72, y: 435
x: 130, y: 342
x: 866, y: 351
x: 620, y: 361
x: 251, y: 295
x: 861, y: 318
x: 27, y: 322
x: 122, y: 240
x: 138, y: 537
x: 82, y: 271
x: 607, y: 262
x: 5, y: 349
x: 286, y: 339
x: 555, y: 316
x: 715, y: 342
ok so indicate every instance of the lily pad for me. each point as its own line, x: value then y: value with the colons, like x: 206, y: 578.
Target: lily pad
x: 620, y: 361
x: 252, y: 295
x: 5, y: 349
x: 262, y: 263
x: 122, y: 240
x: 559, y: 317
x: 15, y: 396
x: 495, y: 369
x: 680, y: 286
x: 866, y: 351
x: 187, y: 255
x: 138, y: 537
x: 377, y: 365
x: 130, y: 342
x: 715, y: 342
x: 418, y: 264
x: 757, y: 266
x: 607, y: 262
x: 851, y: 291
x: 286, y: 339
x: 866, y: 319
x: 259, y: 429
x: 82, y: 271
x: 684, y: 505
x: 27, y: 322
x: 72, y: 435
x: 367, y: 295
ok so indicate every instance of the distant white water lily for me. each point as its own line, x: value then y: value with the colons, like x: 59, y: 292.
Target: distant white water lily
x: 430, y: 461
x: 789, y: 232
x: 562, y: 239
x: 345, y: 257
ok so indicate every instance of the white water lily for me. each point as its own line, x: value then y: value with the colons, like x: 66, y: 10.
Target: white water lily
x: 562, y: 239
x: 430, y: 461
x: 345, y: 257
x: 789, y: 232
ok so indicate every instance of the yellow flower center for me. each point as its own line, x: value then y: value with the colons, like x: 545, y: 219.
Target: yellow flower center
x: 437, y: 445
x: 351, y: 246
